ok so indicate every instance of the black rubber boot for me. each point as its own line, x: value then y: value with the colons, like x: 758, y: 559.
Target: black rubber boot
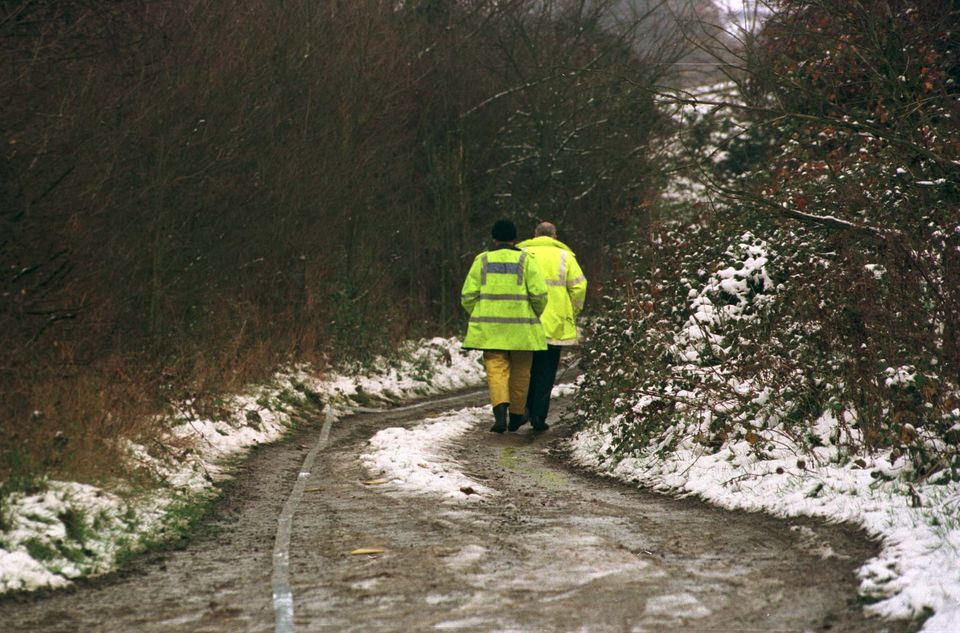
x: 539, y: 424
x: 500, y: 417
x: 516, y: 421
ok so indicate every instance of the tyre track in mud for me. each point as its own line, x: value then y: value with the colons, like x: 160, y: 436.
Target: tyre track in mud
x: 557, y: 550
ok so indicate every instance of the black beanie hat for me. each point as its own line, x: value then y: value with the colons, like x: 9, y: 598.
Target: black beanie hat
x: 504, y: 231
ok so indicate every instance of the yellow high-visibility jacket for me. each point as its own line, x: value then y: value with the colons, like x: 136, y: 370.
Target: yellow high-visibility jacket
x: 566, y: 284
x: 504, y: 294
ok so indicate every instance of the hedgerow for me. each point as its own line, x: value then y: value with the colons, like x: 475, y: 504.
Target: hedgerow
x: 822, y: 284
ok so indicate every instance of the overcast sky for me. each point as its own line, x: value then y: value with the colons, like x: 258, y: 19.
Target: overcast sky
x: 740, y: 10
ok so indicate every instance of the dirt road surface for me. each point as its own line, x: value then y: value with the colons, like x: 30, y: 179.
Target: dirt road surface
x: 557, y: 550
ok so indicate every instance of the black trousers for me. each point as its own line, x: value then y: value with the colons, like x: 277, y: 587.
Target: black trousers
x: 542, y: 376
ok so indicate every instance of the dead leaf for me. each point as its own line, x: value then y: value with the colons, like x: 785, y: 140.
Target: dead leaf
x: 468, y: 490
x: 904, y: 417
x: 376, y: 482
x: 752, y: 438
x: 908, y: 434
x: 313, y: 490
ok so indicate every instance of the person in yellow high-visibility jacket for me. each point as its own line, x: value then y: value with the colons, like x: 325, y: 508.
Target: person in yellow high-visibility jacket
x: 568, y: 290
x: 504, y: 294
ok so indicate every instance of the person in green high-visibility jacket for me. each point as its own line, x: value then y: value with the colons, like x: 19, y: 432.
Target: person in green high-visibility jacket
x: 568, y: 289
x: 504, y: 294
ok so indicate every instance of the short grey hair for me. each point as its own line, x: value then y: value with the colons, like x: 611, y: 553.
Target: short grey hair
x: 545, y: 229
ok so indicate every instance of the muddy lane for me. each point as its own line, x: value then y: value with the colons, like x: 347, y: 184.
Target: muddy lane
x: 560, y: 550
x: 556, y: 550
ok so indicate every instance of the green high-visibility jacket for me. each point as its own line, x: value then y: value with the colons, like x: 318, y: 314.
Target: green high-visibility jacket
x: 504, y: 294
x: 566, y: 284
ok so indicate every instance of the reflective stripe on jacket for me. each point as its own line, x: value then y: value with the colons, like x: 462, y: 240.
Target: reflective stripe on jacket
x: 566, y: 284
x: 504, y: 293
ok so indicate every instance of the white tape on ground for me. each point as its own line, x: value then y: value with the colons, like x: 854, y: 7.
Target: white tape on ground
x: 282, y: 594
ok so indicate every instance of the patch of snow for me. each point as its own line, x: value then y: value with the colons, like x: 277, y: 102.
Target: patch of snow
x: 671, y: 604
x: 416, y: 459
x: 731, y: 295
x: 900, y: 376
x: 467, y: 556
x: 365, y: 585
x: 564, y: 389
x: 18, y: 570
x: 435, y: 598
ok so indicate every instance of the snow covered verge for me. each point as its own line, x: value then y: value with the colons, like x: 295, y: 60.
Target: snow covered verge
x: 916, y: 573
x: 69, y: 530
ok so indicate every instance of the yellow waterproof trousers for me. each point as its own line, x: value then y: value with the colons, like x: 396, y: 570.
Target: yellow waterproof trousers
x: 508, y: 376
